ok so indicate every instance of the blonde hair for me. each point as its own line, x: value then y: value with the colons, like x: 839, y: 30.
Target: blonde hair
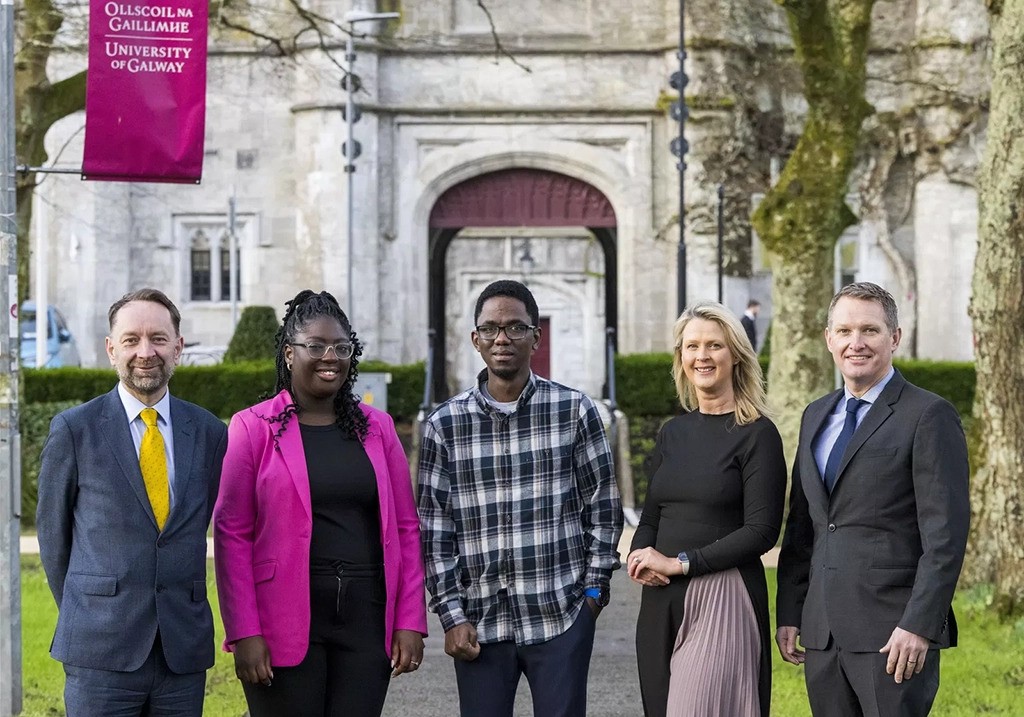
x: 747, y: 377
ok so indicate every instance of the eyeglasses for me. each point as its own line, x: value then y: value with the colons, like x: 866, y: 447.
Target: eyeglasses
x: 514, y: 332
x: 318, y: 351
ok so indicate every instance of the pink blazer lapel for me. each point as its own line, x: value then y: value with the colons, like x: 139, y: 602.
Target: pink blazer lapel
x: 292, y: 454
x: 374, y: 447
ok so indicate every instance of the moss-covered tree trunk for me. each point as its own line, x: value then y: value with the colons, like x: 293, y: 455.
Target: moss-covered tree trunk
x: 38, y: 103
x: 803, y: 215
x: 996, y: 549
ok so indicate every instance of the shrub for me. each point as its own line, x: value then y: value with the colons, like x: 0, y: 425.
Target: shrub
x: 644, y: 382
x: 253, y: 339
x: 222, y: 389
x: 35, y: 426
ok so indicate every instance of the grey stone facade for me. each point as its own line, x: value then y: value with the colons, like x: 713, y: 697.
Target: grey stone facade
x: 440, y: 107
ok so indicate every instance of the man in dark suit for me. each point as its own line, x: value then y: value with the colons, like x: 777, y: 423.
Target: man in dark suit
x: 126, y: 488
x: 877, y: 526
x: 749, y: 321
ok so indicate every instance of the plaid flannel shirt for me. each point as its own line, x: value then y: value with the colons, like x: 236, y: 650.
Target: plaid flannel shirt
x: 519, y: 512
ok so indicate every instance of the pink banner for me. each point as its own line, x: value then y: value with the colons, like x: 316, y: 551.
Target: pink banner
x: 145, y: 106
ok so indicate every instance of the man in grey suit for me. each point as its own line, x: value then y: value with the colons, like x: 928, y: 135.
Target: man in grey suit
x: 126, y: 489
x: 877, y: 526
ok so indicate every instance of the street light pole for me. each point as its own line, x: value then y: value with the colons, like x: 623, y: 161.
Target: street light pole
x: 351, y: 148
x: 10, y: 470
x: 681, y: 166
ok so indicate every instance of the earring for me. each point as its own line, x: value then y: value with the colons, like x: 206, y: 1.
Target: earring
x: 288, y: 365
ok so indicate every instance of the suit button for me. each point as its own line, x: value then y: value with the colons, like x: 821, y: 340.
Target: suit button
x: 161, y: 543
x: 831, y: 527
x: 160, y: 588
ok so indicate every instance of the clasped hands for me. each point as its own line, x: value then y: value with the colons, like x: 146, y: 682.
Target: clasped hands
x: 649, y: 567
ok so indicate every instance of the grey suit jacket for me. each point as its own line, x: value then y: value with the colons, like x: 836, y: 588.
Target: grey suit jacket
x: 886, y: 548
x: 116, y: 578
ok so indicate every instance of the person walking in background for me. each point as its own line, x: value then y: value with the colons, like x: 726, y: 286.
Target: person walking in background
x: 749, y: 321
x: 126, y: 487
x: 317, y: 543
x: 521, y: 518
x: 714, y: 506
x: 879, y: 507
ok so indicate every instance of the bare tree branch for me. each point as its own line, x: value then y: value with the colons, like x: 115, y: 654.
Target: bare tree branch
x: 499, y: 48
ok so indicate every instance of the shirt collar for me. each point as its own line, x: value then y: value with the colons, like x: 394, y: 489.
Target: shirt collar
x: 872, y: 393
x: 481, y: 396
x: 133, y: 406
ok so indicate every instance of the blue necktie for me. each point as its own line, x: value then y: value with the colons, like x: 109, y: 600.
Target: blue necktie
x: 839, y: 447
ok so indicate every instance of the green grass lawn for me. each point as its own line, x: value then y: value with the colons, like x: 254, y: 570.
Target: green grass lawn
x: 983, y: 676
x: 44, y: 677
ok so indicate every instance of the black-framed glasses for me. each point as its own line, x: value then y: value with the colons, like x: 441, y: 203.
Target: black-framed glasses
x: 317, y: 350
x: 514, y: 332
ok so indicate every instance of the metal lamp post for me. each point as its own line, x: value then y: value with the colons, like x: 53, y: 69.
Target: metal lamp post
x: 10, y: 468
x: 351, y: 148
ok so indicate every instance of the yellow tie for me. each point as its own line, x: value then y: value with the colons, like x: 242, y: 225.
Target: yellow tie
x: 153, y: 463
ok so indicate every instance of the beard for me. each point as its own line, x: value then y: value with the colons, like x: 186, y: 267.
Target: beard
x: 506, y: 373
x: 146, y: 384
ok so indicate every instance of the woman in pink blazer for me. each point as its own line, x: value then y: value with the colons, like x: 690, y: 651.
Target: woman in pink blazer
x: 319, y: 570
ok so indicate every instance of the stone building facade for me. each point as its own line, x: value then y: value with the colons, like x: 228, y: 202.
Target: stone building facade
x: 452, y: 127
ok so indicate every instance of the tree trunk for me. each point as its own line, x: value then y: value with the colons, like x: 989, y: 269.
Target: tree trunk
x: 996, y: 548
x: 803, y: 215
x: 38, y: 104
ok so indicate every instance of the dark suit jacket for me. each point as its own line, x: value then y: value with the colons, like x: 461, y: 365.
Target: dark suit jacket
x: 885, y: 549
x: 117, y: 578
x: 751, y: 328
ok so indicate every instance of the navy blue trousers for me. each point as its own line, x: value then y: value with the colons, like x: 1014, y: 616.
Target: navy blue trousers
x: 556, y: 671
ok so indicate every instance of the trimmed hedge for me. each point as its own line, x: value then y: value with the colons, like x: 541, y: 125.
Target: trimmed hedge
x: 644, y: 382
x: 222, y: 389
x: 35, y: 426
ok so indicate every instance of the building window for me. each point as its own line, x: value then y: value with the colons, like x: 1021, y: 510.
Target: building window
x: 225, y: 273
x: 205, y: 259
x: 201, y: 275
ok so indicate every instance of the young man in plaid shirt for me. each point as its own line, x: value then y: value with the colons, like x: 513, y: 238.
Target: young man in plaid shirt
x: 520, y: 518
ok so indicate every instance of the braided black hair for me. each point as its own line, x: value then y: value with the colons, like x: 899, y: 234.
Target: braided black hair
x: 304, y: 308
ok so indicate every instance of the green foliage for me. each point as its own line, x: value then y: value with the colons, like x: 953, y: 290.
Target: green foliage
x: 643, y: 430
x: 644, y: 382
x: 645, y: 392
x: 253, y: 339
x: 46, y: 385
x: 223, y: 389
x: 35, y: 426
x: 405, y: 392
x: 643, y: 385
x: 953, y: 380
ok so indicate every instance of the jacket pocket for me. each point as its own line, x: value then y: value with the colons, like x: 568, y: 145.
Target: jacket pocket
x: 198, y: 590
x: 105, y: 585
x: 262, y: 572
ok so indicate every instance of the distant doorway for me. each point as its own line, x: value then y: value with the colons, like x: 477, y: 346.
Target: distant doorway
x: 540, y: 362
x: 540, y: 200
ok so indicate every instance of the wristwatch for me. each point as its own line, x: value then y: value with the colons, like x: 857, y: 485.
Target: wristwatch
x: 685, y: 560
x: 601, y: 595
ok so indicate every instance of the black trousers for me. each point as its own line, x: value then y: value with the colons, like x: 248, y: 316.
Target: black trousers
x: 854, y: 684
x: 346, y: 671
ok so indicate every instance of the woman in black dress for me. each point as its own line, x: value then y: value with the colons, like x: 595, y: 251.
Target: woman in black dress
x: 714, y: 506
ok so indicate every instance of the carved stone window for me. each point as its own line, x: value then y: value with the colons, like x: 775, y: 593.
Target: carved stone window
x: 206, y: 241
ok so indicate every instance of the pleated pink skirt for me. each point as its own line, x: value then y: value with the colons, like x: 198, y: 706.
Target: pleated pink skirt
x: 717, y: 653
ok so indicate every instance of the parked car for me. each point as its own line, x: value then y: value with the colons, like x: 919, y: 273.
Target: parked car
x: 61, y: 348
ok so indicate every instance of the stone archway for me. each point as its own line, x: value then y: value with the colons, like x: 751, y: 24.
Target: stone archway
x: 515, y: 197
